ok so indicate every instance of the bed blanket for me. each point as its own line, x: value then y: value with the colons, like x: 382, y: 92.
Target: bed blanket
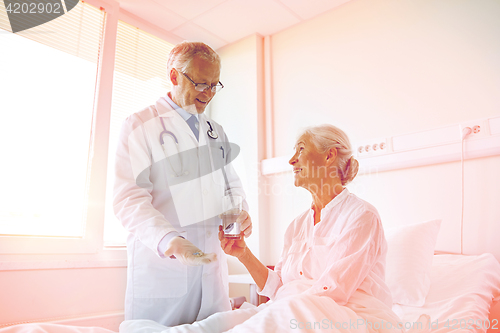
x: 298, y: 313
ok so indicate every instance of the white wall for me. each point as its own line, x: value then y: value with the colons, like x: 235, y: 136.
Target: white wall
x: 402, y: 65
x: 58, y: 294
x: 378, y: 68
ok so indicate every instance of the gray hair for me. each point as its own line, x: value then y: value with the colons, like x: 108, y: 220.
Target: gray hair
x: 183, y: 53
x: 325, y: 137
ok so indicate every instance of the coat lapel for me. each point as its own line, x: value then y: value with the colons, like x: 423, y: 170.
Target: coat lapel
x: 165, y: 110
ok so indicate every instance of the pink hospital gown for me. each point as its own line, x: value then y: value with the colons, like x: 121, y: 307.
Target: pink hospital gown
x: 342, y: 253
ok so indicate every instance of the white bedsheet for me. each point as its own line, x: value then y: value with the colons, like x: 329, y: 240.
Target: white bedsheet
x: 300, y: 313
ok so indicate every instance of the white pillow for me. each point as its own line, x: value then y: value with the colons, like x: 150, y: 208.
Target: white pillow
x: 462, y: 287
x: 409, y: 260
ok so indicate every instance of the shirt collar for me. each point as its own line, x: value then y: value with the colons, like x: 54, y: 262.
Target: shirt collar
x: 183, y: 113
x: 338, y: 199
x: 335, y: 201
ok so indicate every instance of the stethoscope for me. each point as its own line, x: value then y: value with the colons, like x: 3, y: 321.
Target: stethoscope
x: 162, y: 142
x: 210, y: 133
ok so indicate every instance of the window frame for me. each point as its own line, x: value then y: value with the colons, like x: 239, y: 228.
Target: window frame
x: 46, y: 252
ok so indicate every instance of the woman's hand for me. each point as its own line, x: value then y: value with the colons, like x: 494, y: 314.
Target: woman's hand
x: 234, y: 247
x: 238, y: 248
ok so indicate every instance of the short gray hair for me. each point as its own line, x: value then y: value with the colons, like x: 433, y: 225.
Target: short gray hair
x: 325, y: 137
x: 183, y: 53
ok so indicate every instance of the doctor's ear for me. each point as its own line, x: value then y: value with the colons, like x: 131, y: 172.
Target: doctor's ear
x: 174, y: 76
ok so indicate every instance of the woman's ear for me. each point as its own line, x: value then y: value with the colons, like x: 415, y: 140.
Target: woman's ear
x: 331, y: 156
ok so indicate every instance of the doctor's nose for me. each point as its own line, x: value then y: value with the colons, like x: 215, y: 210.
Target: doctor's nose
x: 208, y: 92
x: 207, y: 95
x: 293, y: 160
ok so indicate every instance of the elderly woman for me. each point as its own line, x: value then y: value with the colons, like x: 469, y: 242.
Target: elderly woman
x: 337, y: 246
x: 330, y: 276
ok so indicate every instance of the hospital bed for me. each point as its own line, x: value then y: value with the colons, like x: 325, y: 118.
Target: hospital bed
x: 455, y: 291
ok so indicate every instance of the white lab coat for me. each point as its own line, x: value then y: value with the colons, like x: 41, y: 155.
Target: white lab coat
x: 151, y: 199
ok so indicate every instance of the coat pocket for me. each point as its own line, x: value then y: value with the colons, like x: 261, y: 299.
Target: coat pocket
x: 155, y: 277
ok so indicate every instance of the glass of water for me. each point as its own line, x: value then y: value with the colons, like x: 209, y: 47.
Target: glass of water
x: 231, y: 207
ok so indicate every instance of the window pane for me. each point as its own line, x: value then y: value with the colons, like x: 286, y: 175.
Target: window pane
x: 48, y: 84
x: 140, y: 79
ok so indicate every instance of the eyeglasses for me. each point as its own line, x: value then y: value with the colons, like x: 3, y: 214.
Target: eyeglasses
x: 202, y: 86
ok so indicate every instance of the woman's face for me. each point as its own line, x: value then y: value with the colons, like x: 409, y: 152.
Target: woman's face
x: 310, y: 167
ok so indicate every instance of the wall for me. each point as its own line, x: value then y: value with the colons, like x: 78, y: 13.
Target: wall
x: 378, y: 68
x: 402, y: 65
x: 61, y: 294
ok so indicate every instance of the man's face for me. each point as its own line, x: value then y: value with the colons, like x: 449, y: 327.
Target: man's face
x: 186, y: 96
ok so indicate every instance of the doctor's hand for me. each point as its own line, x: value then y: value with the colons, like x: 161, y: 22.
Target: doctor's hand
x: 246, y: 223
x: 187, y: 253
x: 233, y: 247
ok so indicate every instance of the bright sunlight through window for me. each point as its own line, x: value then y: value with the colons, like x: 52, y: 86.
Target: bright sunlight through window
x: 47, y: 106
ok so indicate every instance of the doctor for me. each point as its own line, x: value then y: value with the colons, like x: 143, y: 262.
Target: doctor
x: 172, y: 170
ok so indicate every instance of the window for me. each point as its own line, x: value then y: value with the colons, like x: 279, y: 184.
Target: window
x: 48, y: 86
x: 140, y: 78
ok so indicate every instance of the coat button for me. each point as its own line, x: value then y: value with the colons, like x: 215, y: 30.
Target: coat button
x: 325, y: 288
x: 300, y: 272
